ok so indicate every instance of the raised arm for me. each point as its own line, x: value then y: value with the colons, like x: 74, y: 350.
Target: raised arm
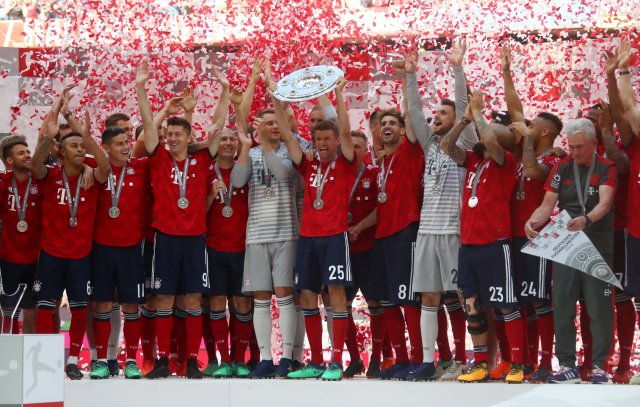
x: 487, y: 136
x: 151, y: 138
x: 449, y: 143
x: 328, y: 111
x: 48, y: 132
x: 402, y: 68
x: 219, y: 115
x: 514, y: 105
x: 189, y: 103
x: 617, y: 111
x: 92, y: 147
x: 531, y: 167
x: 627, y: 94
x: 346, y: 144
x: 468, y: 137
x: 295, y: 151
x: 615, y: 154
x: 422, y: 131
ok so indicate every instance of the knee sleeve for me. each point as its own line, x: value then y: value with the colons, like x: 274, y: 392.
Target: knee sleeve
x: 475, y: 314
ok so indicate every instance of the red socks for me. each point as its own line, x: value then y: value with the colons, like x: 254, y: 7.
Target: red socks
x: 313, y: 326
x: 459, y: 330
x: 77, y: 330
x: 164, y: 325
x: 514, y: 327
x: 193, y: 333
x: 131, y: 330
x: 220, y: 329
x: 394, y: 325
x: 101, y: 332
x: 340, y: 321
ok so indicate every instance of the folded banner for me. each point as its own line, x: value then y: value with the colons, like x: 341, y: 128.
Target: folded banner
x: 573, y: 249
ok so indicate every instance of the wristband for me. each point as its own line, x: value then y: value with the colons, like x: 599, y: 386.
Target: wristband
x: 67, y: 115
x: 589, y: 221
x: 465, y: 121
x: 625, y: 72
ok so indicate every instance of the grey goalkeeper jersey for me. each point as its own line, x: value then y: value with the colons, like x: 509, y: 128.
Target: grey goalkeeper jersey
x: 442, y: 177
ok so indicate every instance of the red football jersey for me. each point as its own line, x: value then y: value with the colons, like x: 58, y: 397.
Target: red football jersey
x: 533, y: 189
x: 404, y: 189
x: 364, y: 201
x: 126, y: 229
x: 20, y: 247
x: 633, y: 189
x: 59, y: 239
x: 488, y: 221
x: 168, y: 218
x: 227, y: 234
x: 332, y: 218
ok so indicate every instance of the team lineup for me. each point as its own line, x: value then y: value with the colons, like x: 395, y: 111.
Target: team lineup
x: 425, y: 219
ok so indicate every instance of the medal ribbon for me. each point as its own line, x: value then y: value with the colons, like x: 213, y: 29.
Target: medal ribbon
x: 322, y: 179
x: 226, y: 198
x: 582, y: 194
x: 72, y: 202
x: 355, y: 184
x: 476, y: 179
x: 21, y: 208
x: 116, y: 190
x: 182, y: 181
x: 383, y: 175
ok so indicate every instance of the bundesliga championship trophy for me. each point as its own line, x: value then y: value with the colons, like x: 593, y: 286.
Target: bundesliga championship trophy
x: 308, y: 83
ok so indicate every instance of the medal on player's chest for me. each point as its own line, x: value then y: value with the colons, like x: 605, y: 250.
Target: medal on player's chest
x: 183, y: 202
x: 321, y: 179
x: 22, y: 226
x: 473, y: 199
x: 225, y: 195
x: 72, y: 202
x: 21, y: 206
x: 116, y: 191
x: 384, y: 175
x: 227, y: 211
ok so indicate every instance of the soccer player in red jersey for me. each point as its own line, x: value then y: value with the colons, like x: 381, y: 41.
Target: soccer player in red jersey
x: 532, y: 273
x: 21, y: 209
x: 398, y: 215
x: 122, y: 121
x: 322, y: 257
x: 362, y: 219
x: 484, y: 271
x: 225, y: 238
x: 64, y: 261
x: 624, y: 112
x: 179, y: 182
x: 117, y: 254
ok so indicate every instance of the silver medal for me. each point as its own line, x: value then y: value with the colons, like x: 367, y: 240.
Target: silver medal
x: 114, y: 212
x: 227, y: 211
x: 268, y: 193
x: 73, y: 221
x: 520, y: 195
x: 22, y: 226
x: 473, y: 202
x: 382, y: 197
x: 318, y: 204
x: 183, y: 203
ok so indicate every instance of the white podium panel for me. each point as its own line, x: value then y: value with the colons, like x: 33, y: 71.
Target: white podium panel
x: 32, y: 370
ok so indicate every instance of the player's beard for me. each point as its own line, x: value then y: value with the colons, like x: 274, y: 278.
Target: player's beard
x: 479, y: 149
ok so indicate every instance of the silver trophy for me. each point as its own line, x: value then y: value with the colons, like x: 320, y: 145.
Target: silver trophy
x: 308, y: 83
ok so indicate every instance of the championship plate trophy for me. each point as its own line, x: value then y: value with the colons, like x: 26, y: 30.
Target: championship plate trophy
x: 308, y: 83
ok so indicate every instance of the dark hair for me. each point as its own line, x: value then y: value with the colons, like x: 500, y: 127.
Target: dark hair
x: 392, y: 112
x: 112, y: 120
x: 501, y: 117
x: 110, y: 132
x: 448, y: 102
x: 72, y: 134
x: 63, y: 126
x: 262, y: 112
x: 139, y: 131
x: 555, y: 120
x: 374, y: 116
x: 179, y: 121
x: 326, y: 125
x: 357, y: 133
x: 11, y: 141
